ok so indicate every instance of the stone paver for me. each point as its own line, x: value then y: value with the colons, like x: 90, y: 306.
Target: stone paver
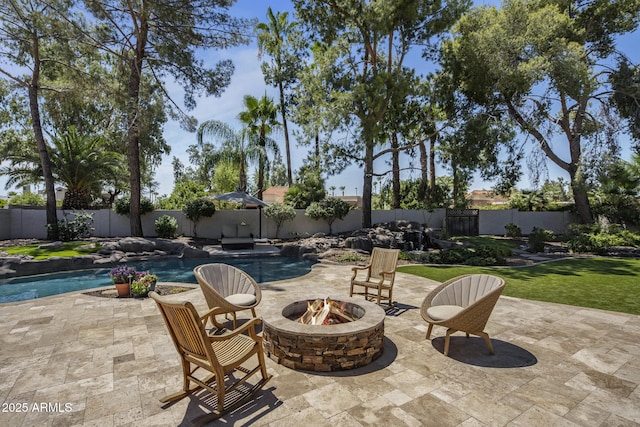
x: 74, y: 360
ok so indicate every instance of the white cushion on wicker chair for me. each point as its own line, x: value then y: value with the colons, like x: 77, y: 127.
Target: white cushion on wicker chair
x: 441, y: 312
x: 227, y: 289
x: 241, y: 299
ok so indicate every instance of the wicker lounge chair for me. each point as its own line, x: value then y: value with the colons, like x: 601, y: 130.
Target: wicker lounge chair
x: 380, y: 275
x: 220, y: 355
x: 228, y: 289
x: 464, y: 304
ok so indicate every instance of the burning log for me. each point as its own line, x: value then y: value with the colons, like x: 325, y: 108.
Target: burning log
x: 325, y: 312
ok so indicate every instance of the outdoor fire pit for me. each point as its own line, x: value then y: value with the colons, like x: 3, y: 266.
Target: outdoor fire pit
x: 323, y: 333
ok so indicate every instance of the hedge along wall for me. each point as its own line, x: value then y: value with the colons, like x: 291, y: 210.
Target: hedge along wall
x: 25, y: 223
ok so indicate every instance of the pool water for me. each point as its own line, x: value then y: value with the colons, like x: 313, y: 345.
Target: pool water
x: 264, y: 269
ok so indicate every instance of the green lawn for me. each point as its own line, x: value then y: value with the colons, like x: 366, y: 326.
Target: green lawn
x: 68, y: 249
x: 603, y: 283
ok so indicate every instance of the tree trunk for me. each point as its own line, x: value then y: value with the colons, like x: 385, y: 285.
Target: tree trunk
x: 367, y: 185
x: 580, y: 196
x: 45, y: 163
x: 572, y: 133
x: 134, y: 148
x: 133, y: 133
x: 424, y: 163
x: 283, y: 111
x: 261, y: 164
x: 242, y: 180
x: 432, y: 166
x: 395, y: 161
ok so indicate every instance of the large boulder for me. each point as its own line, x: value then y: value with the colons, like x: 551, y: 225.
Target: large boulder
x: 136, y: 245
x: 191, y: 252
x: 306, y: 247
x: 108, y: 248
x: 367, y: 239
x: 362, y: 243
x: 169, y: 246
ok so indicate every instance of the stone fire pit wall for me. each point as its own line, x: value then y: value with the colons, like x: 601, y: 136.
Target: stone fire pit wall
x: 324, y: 348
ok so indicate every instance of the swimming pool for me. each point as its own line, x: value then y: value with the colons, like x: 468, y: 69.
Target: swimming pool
x: 264, y: 269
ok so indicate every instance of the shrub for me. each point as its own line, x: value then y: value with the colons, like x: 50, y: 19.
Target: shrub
x: 279, y: 213
x: 594, y: 238
x: 329, y: 209
x: 198, y: 208
x: 629, y: 238
x: 76, y: 229
x: 351, y: 257
x: 122, y: 206
x: 422, y: 257
x: 513, y: 230
x: 479, y: 256
x: 308, y: 188
x: 537, y: 239
x: 166, y: 226
x: 28, y: 199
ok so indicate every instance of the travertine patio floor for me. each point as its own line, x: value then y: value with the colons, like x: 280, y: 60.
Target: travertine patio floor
x: 105, y: 362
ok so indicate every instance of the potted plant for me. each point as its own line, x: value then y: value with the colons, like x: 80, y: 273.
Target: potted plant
x: 122, y: 277
x: 143, y: 284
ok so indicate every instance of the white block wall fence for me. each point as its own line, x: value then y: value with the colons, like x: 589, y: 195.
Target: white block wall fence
x: 29, y: 222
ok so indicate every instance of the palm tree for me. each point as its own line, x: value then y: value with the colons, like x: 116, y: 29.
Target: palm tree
x: 82, y: 163
x: 260, y: 119
x: 236, y: 147
x: 272, y: 38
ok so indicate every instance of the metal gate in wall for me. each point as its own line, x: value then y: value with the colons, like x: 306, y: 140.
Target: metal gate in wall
x: 463, y: 222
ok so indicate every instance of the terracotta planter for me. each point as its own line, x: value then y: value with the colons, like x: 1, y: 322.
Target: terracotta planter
x: 123, y: 289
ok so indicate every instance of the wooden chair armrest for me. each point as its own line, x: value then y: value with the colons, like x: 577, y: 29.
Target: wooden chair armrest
x: 356, y: 269
x: 212, y: 312
x: 249, y: 326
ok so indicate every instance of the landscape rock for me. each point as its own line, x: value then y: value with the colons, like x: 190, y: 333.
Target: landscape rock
x: 191, y: 252
x: 445, y: 244
x: 108, y: 247
x: 313, y: 245
x: 136, y: 245
x: 362, y: 243
x: 52, y: 245
x: 169, y: 246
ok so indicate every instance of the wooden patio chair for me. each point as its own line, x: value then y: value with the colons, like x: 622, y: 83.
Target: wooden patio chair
x: 228, y: 289
x: 220, y: 355
x: 380, y: 275
x: 464, y: 304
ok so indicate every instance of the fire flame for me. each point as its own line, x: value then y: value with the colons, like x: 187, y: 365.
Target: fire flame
x: 325, y: 312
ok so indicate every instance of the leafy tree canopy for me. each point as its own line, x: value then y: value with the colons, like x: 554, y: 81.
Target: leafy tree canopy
x: 540, y: 63
x: 330, y: 210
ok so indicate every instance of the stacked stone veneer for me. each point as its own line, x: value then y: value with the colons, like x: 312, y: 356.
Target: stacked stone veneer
x: 324, y: 347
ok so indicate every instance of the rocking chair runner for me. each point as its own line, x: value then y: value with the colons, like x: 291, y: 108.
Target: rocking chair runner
x: 220, y: 355
x: 380, y: 275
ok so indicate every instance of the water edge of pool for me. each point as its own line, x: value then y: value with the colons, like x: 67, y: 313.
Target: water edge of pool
x: 262, y: 269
